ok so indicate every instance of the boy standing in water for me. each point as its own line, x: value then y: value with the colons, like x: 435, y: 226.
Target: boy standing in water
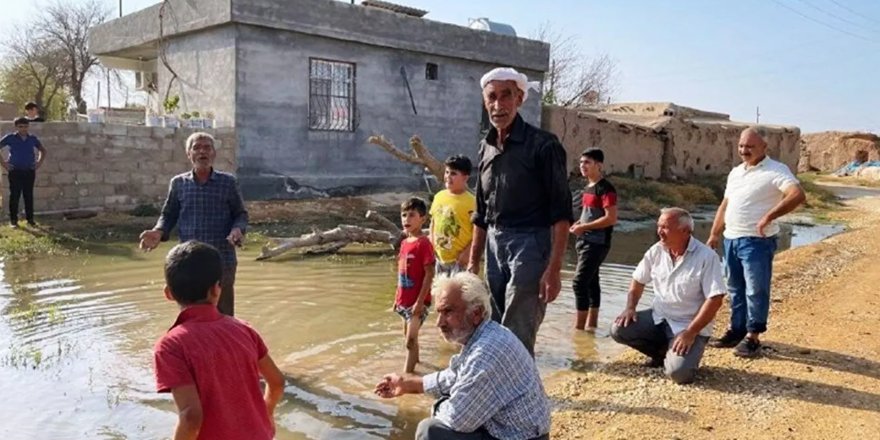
x: 451, y: 210
x: 594, y: 230
x: 415, y: 269
x: 212, y: 363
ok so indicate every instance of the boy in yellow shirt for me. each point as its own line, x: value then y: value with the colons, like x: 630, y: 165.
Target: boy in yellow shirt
x: 451, y: 210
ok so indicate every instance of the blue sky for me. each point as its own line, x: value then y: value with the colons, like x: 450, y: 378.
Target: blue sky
x: 810, y: 63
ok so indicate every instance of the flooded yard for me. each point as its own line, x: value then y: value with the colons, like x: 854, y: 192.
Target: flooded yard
x: 76, y: 338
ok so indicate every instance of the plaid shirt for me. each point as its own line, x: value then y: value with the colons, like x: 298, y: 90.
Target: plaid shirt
x: 206, y: 212
x: 492, y: 383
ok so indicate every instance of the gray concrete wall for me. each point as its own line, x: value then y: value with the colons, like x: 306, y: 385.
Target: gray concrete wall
x: 205, y: 63
x: 136, y: 35
x: 279, y: 157
x: 114, y: 167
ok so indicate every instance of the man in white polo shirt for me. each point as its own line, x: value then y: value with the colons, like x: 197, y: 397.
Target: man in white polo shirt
x: 688, y: 291
x: 759, y: 191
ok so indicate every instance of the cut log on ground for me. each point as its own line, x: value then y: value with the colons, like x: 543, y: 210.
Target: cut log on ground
x: 344, y: 234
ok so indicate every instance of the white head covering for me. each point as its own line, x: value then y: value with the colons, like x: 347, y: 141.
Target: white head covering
x: 510, y: 74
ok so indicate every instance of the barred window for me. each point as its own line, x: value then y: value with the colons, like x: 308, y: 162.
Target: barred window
x: 332, y: 104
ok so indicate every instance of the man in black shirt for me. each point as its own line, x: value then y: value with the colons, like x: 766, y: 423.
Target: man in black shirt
x: 523, y: 209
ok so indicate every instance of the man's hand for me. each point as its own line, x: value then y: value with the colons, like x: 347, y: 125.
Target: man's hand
x: 551, y: 284
x: 763, y: 223
x: 235, y: 236
x: 712, y: 242
x: 391, y: 386
x: 626, y: 317
x: 150, y: 239
x: 683, y: 342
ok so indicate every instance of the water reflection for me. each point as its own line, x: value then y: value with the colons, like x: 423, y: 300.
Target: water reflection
x: 76, y: 336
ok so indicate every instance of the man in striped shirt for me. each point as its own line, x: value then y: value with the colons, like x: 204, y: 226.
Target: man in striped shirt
x: 491, y: 389
x: 205, y: 205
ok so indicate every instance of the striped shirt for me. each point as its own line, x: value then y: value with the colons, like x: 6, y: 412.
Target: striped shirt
x: 206, y: 212
x: 492, y: 383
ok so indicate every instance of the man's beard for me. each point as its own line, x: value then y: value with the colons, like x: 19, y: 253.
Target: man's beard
x: 460, y: 335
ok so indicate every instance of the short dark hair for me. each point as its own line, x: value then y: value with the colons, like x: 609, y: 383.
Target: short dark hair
x: 22, y: 121
x: 595, y: 154
x: 459, y: 163
x: 191, y: 270
x: 416, y: 204
x: 31, y: 105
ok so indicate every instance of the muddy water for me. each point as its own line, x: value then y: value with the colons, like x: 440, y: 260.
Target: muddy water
x: 76, y: 335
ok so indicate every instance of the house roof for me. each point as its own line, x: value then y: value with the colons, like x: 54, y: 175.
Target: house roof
x: 136, y: 36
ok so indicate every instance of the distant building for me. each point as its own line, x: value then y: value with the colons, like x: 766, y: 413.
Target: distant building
x: 306, y: 82
x: 662, y: 139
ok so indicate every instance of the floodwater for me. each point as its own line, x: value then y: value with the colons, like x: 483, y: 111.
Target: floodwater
x: 76, y: 335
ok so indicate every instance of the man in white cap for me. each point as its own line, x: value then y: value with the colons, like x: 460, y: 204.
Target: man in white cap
x: 524, y: 208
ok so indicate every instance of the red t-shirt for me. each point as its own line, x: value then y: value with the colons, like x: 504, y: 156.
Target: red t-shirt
x: 414, y: 256
x: 219, y: 354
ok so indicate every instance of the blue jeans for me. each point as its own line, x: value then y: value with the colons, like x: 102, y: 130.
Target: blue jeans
x: 748, y: 262
x: 515, y: 261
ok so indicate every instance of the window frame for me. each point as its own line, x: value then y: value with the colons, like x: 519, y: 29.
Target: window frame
x: 324, y: 120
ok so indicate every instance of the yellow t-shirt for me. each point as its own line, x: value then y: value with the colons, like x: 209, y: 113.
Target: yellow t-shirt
x: 451, y: 223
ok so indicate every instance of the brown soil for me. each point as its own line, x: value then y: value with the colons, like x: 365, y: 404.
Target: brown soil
x: 818, y: 376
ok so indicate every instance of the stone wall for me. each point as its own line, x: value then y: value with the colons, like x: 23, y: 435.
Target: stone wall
x: 112, y: 167
x: 829, y: 150
x: 660, y: 146
x: 625, y: 146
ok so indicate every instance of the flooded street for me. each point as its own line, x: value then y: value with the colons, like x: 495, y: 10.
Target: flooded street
x: 76, y: 338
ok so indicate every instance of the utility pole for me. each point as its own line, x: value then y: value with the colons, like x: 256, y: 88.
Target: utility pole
x: 120, y: 8
x: 758, y: 115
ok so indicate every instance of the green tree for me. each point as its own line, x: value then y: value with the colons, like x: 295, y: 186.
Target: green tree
x: 19, y: 85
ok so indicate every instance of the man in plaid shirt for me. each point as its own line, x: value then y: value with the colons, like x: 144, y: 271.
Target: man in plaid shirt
x: 491, y: 389
x: 206, y: 205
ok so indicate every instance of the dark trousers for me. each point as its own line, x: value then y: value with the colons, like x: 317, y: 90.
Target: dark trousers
x: 515, y: 261
x: 587, y: 292
x: 21, y: 183
x: 226, y: 305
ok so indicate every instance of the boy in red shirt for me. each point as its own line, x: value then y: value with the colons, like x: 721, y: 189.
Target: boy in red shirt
x: 415, y: 268
x: 212, y: 363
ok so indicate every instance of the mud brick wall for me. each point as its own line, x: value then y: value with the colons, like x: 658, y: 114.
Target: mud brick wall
x: 112, y: 167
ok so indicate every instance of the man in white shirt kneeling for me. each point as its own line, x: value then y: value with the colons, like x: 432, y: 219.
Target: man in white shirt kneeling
x: 688, y: 291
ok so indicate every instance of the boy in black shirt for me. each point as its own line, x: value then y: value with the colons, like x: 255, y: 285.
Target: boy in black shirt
x: 594, y: 230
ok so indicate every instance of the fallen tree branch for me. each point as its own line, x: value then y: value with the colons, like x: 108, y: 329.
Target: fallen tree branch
x: 342, y: 233
x: 421, y: 155
x: 329, y: 248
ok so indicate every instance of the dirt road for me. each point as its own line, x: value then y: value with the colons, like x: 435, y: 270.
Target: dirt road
x: 818, y: 377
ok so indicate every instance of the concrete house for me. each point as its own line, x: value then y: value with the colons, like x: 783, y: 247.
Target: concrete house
x: 304, y: 83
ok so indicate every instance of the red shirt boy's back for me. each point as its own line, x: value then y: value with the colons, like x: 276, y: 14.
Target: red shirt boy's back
x: 219, y: 354
x: 414, y: 256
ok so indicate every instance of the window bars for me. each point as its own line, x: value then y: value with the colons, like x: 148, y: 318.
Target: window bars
x: 332, y: 103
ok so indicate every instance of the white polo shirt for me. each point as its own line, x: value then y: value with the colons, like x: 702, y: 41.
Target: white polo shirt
x: 751, y: 193
x: 681, y: 287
